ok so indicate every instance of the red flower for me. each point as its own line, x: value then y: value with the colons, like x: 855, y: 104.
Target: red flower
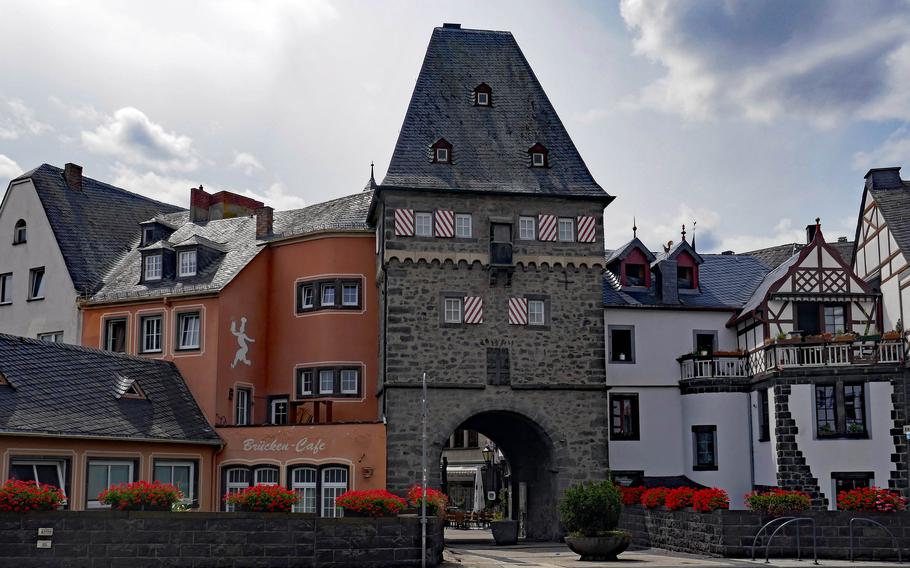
x: 870, y: 499
x: 631, y: 495
x: 25, y: 496
x: 373, y: 502
x: 263, y: 498
x: 706, y: 500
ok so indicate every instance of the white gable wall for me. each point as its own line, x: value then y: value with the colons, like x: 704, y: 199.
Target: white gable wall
x: 58, y: 311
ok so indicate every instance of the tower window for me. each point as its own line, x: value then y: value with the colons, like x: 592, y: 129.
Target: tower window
x: 442, y: 152
x: 539, y: 156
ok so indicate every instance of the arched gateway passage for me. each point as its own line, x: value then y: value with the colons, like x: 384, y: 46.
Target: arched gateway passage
x: 532, y: 469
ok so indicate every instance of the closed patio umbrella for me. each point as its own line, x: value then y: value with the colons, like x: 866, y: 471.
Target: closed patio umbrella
x: 479, y: 500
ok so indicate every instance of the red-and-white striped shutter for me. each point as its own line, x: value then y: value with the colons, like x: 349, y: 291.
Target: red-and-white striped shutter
x: 587, y: 229
x: 473, y: 309
x: 404, y: 222
x: 518, y: 311
x: 546, y: 227
x: 445, y: 223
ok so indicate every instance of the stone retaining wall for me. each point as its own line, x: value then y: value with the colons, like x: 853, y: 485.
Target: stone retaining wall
x: 730, y: 533
x: 139, y: 539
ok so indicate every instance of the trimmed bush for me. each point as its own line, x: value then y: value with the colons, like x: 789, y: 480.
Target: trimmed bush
x: 25, y: 496
x: 778, y: 502
x: 871, y: 499
x: 371, y: 503
x: 591, y: 509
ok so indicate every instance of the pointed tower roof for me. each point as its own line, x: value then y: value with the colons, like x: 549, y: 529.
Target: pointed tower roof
x: 490, y: 143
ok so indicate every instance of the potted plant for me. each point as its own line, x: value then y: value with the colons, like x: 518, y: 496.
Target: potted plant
x: 844, y: 337
x: 26, y: 496
x: 785, y: 339
x: 505, y: 530
x: 891, y: 335
x: 370, y: 503
x: 141, y: 496
x: 263, y: 499
x: 590, y: 512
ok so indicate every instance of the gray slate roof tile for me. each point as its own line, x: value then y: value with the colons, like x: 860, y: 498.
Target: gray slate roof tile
x: 61, y: 389
x: 95, y: 226
x: 490, y: 144
x: 895, y: 207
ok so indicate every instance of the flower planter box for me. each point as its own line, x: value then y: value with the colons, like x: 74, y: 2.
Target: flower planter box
x: 599, y: 548
x: 505, y: 533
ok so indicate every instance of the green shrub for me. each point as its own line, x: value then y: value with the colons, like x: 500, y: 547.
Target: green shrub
x: 591, y: 509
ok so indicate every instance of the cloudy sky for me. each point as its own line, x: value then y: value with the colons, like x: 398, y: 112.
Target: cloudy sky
x: 752, y: 118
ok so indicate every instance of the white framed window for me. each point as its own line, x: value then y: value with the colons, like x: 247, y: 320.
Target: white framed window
x: 278, y: 411
x: 350, y: 294
x: 266, y: 476
x: 188, y: 330
x: 567, y: 230
x: 242, y: 406
x: 326, y: 381
x: 148, y: 233
x: 186, y: 261
x: 303, y: 482
x: 305, y: 382
x: 463, y: 226
x: 36, y: 283
x: 236, y: 480
x: 6, y: 288
x: 328, y: 295
x: 42, y: 471
x: 153, y: 267
x: 180, y: 474
x: 350, y: 381
x: 442, y: 154
x: 538, y: 159
x: 423, y: 224
x: 334, y: 483
x: 103, y: 474
x: 527, y: 228
x: 483, y: 99
x: 151, y: 334
x: 51, y: 336
x: 306, y: 296
x: 536, y: 315
x: 452, y: 310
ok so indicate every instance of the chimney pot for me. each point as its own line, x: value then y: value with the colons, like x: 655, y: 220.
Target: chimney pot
x: 450, y: 26
x: 264, y: 226
x: 72, y: 173
x: 199, y: 204
x: 810, y: 232
x: 841, y: 239
x: 728, y: 252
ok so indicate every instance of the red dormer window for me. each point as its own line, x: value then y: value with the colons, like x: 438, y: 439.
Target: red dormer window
x: 634, y: 270
x: 483, y: 95
x: 442, y: 152
x: 686, y: 272
x: 539, y: 155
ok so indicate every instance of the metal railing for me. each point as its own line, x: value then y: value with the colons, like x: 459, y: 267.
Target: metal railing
x: 762, y: 529
x: 897, y: 545
x: 799, y: 551
x: 783, y: 356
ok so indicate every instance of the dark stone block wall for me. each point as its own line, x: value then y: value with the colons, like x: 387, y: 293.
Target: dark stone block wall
x: 731, y: 533
x: 793, y: 473
x: 137, y: 540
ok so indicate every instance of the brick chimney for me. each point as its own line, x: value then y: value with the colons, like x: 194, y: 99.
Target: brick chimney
x: 199, y: 204
x: 264, y: 216
x: 72, y: 173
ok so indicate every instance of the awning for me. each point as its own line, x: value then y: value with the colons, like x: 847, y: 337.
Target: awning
x: 461, y: 472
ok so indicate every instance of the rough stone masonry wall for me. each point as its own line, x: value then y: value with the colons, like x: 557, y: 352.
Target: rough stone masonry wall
x: 137, y: 540
x: 900, y: 398
x: 731, y: 533
x: 793, y: 473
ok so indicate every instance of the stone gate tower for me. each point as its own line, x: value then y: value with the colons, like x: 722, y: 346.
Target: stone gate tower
x: 490, y: 258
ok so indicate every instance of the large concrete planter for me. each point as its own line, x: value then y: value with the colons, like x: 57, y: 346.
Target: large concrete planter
x: 594, y: 548
x: 505, y: 532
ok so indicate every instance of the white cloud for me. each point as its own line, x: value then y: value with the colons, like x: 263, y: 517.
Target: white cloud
x: 277, y: 196
x: 8, y: 168
x: 131, y: 136
x: 245, y: 162
x: 825, y: 61
x: 892, y: 152
x: 17, y: 119
x: 164, y: 188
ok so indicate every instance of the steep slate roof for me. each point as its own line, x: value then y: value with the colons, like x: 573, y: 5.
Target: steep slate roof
x: 894, y: 205
x: 236, y: 238
x: 490, y: 144
x: 774, y: 256
x: 94, y: 226
x: 59, y: 389
x: 725, y: 281
x: 770, y: 278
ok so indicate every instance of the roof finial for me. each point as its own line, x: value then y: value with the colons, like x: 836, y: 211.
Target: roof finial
x: 818, y: 223
x: 634, y: 228
x: 372, y: 178
x: 684, y: 232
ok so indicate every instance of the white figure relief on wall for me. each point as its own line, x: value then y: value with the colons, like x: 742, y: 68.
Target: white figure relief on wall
x: 243, y: 340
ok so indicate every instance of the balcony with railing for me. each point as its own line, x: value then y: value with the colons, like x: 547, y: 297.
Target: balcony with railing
x: 788, y: 354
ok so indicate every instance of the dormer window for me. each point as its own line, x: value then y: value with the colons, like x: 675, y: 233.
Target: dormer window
x: 539, y: 156
x: 483, y: 95
x: 635, y: 274
x: 148, y: 236
x: 442, y: 152
x: 153, y: 267
x: 19, y: 234
x: 685, y: 277
x: 186, y: 262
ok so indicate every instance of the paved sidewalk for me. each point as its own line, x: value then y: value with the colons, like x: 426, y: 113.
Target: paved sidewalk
x: 554, y: 555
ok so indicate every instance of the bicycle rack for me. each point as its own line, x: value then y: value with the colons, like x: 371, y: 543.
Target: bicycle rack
x: 799, y: 555
x: 765, y: 526
x: 897, y: 546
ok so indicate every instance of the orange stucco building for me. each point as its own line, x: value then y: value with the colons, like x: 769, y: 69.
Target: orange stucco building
x: 271, y: 318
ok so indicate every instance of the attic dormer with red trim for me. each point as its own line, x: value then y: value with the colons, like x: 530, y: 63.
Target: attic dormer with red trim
x: 631, y: 263
x: 687, y: 263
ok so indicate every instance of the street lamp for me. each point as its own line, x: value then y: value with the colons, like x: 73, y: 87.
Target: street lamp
x: 487, y: 454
